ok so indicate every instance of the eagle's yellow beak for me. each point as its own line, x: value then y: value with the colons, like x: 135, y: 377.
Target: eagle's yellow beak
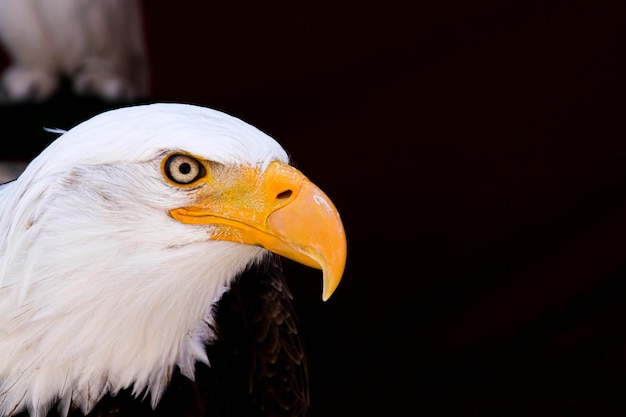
x: 278, y: 209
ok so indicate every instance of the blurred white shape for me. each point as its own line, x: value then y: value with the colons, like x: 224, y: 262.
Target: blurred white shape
x: 99, y: 45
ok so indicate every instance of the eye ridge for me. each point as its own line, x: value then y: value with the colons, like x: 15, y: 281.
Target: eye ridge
x: 183, y: 169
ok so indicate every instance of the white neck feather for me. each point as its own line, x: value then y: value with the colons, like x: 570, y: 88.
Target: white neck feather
x: 116, y: 300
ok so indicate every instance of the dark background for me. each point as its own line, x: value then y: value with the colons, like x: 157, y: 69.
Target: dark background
x: 476, y: 152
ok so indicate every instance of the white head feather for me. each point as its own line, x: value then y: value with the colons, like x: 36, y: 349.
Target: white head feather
x: 90, y: 258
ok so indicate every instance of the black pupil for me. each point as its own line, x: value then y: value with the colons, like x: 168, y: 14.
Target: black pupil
x: 184, y: 168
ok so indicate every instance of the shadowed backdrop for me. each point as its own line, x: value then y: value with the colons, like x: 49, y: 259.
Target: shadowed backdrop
x: 476, y: 153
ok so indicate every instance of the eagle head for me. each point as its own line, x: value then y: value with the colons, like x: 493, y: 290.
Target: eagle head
x: 117, y: 240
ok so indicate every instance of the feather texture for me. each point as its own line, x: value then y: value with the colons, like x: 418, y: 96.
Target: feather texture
x: 250, y: 374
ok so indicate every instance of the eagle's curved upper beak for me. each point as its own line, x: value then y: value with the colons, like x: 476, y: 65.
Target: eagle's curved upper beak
x: 278, y: 209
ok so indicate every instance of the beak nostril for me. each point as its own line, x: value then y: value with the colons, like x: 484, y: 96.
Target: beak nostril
x: 284, y: 195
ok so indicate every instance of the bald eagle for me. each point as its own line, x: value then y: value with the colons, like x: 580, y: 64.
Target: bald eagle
x: 140, y: 274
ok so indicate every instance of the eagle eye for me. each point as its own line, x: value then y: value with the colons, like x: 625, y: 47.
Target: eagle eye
x: 183, y: 169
